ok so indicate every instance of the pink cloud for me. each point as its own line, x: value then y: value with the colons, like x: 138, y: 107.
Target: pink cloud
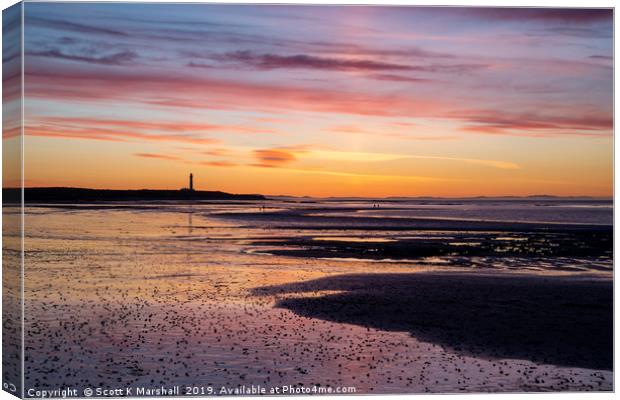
x: 183, y: 91
x: 206, y: 93
x: 273, y: 157
x: 219, y: 164
x: 530, y: 124
x: 154, y: 125
x: 157, y: 156
x: 110, y: 135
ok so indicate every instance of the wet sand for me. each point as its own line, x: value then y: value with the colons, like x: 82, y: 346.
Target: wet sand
x: 455, y: 246
x: 180, y: 296
x: 552, y: 320
x: 359, y: 218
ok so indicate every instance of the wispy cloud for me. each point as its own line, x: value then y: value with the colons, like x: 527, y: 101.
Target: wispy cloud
x: 371, y: 177
x: 179, y: 91
x: 111, y: 135
x: 120, y: 58
x: 152, y: 125
x: 274, y: 61
x: 572, y: 31
x: 347, y: 129
x: 193, y: 64
x: 218, y: 152
x: 450, y: 68
x: 187, y: 92
x: 397, y: 78
x: 563, y: 15
x: 352, y: 49
x: 389, y: 133
x: 488, y: 163
x: 494, y: 122
x: 372, y: 157
x: 271, y: 158
x: 219, y: 164
x: 308, y: 61
x: 157, y: 156
x: 69, y: 26
x: 600, y: 57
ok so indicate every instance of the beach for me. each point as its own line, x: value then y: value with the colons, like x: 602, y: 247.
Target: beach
x: 389, y: 299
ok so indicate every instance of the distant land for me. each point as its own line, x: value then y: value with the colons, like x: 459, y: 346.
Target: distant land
x: 395, y: 199
x: 67, y: 194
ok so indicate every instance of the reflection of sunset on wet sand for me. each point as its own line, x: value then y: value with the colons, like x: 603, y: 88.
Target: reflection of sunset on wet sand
x: 194, y: 295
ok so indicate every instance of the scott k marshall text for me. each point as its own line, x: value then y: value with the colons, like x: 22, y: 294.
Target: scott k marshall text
x: 106, y: 392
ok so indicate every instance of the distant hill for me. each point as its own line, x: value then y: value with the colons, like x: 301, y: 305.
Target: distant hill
x: 66, y: 195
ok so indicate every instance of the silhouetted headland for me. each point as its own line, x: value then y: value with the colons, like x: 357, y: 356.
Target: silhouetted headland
x: 66, y: 195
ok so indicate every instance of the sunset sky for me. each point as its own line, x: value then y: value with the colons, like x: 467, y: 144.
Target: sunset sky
x: 319, y: 101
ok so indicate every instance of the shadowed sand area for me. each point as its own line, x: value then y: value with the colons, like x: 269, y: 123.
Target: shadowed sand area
x: 553, y: 320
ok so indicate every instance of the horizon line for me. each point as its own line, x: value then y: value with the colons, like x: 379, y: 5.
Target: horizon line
x: 531, y: 196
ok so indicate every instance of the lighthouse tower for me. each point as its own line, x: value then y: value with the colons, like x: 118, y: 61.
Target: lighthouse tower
x: 191, y: 182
